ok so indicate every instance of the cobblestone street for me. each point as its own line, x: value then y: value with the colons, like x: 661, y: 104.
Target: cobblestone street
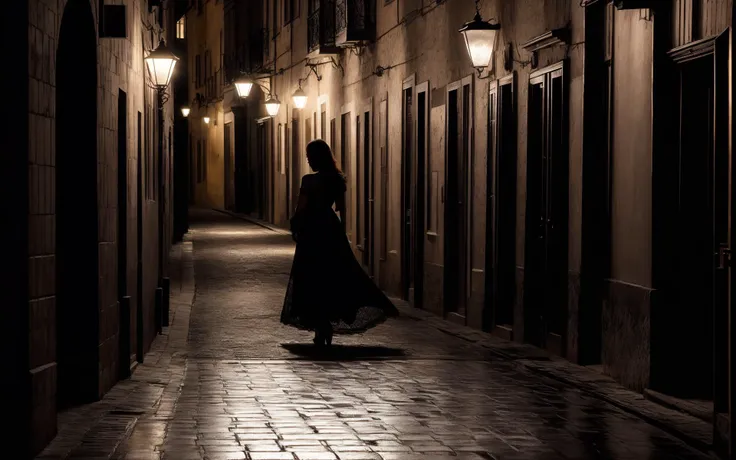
x: 242, y: 386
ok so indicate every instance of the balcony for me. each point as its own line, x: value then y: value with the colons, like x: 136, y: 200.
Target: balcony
x: 321, y: 29
x: 354, y: 22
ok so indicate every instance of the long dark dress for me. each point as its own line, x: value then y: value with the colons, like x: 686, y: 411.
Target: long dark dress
x: 327, y: 284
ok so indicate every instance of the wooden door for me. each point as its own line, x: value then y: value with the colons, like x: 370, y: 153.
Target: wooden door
x: 408, y: 165
x: 501, y: 209
x: 229, y: 168
x: 368, y: 192
x: 456, y: 207
x: 296, y: 164
x: 545, y: 282
x: 420, y: 191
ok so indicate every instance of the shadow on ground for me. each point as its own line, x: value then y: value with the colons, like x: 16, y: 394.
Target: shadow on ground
x: 342, y: 352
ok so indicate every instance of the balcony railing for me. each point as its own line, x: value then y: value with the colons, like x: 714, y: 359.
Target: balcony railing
x: 321, y: 28
x: 354, y: 21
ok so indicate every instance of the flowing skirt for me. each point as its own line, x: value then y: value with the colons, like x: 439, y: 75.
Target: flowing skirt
x: 327, y: 283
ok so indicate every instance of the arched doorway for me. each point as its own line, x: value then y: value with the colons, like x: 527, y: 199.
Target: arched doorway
x: 77, y: 311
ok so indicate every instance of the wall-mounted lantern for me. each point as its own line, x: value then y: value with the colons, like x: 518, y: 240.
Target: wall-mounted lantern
x: 480, y: 39
x: 206, y: 120
x: 273, y: 105
x: 185, y: 111
x: 243, y: 85
x: 161, y: 63
x: 300, y: 98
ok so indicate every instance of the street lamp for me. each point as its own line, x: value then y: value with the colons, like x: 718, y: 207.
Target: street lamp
x: 243, y: 85
x: 185, y: 111
x: 206, y: 120
x: 160, y: 63
x: 300, y: 98
x: 272, y: 105
x: 480, y: 39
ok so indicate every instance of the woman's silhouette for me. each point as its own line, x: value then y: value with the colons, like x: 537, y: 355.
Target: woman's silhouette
x: 328, y: 290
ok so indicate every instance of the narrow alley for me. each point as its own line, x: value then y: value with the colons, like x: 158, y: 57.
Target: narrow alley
x: 227, y: 381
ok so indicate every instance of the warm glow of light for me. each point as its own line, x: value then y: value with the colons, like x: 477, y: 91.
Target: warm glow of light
x: 243, y: 86
x: 480, y: 40
x: 185, y: 111
x: 161, y: 63
x: 300, y: 98
x: 181, y: 28
x: 206, y: 120
x: 272, y: 106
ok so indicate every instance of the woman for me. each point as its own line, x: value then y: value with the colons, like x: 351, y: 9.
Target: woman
x: 328, y: 290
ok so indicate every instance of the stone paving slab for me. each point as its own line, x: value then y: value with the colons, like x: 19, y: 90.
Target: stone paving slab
x: 227, y: 381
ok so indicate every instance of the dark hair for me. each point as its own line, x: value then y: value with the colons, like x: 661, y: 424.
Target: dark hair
x: 320, y: 157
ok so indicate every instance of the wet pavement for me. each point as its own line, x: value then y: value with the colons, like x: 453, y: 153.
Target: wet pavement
x: 242, y: 386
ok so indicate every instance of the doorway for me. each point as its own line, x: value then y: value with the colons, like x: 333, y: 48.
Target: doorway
x: 359, y: 192
x: 700, y: 274
x: 409, y: 187
x: 77, y: 277
x: 501, y: 210
x: 229, y: 168
x: 296, y: 163
x: 368, y: 191
x: 139, y: 249
x: 260, y: 171
x: 345, y: 163
x: 124, y: 339
x: 457, y: 200
x: 419, y: 179
x: 545, y: 265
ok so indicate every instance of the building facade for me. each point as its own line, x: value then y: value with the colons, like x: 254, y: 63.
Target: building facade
x: 86, y: 198
x: 571, y: 195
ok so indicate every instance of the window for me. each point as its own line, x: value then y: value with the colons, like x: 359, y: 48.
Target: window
x: 197, y: 71
x: 275, y: 17
x: 282, y: 149
x: 279, y: 149
x: 181, y: 28
x: 332, y: 134
x: 307, y: 131
x: 323, y: 122
x: 289, y: 15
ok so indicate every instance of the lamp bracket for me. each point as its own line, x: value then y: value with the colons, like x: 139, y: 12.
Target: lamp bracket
x: 479, y: 71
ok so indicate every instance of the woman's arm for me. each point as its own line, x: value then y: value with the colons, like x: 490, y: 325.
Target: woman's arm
x: 340, y: 207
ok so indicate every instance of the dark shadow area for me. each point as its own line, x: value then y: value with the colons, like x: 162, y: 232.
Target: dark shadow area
x: 342, y: 352
x: 77, y: 274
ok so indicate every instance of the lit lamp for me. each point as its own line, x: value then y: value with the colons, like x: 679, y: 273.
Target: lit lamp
x: 206, y: 120
x: 300, y: 98
x: 185, y: 111
x: 243, y: 86
x: 480, y: 39
x: 272, y: 105
x: 161, y: 63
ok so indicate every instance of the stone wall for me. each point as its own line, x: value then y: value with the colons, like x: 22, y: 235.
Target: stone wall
x: 120, y: 67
